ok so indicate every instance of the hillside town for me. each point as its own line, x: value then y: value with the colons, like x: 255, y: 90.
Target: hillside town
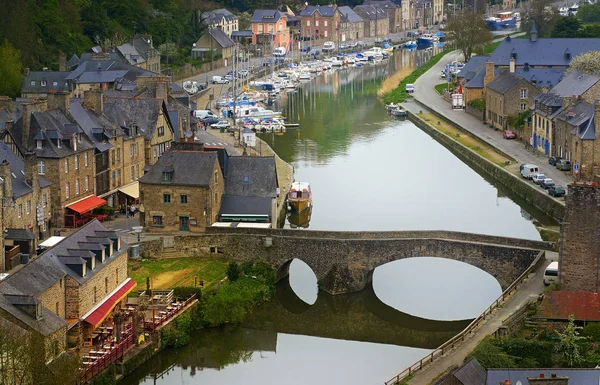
x: 196, y: 160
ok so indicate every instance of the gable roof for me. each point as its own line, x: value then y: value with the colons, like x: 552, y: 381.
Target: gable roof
x: 243, y: 33
x: 221, y: 37
x: 251, y: 176
x: 44, y: 81
x: 541, y: 77
x: 575, y: 83
x: 143, y: 113
x: 576, y: 376
x: 551, y: 51
x: 474, y: 65
x: 348, y: 15
x: 19, y: 186
x: 382, y: 3
x: 371, y: 12
x: 471, y: 373
x: 184, y: 175
x: 215, y: 17
x: 323, y: 10
x: 579, y: 114
x: 266, y: 16
x: 504, y: 82
x: 130, y: 53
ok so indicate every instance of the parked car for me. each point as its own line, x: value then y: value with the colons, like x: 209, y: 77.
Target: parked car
x: 547, y: 183
x: 443, y: 74
x: 202, y: 86
x: 557, y: 191
x: 343, y: 46
x: 387, y: 39
x: 210, y: 120
x: 553, y: 160
x: 508, y: 134
x: 220, y: 124
x: 563, y: 165
x: 360, y: 43
x: 551, y: 273
x: 410, y: 88
x: 538, y: 178
x: 219, y: 80
x: 528, y: 170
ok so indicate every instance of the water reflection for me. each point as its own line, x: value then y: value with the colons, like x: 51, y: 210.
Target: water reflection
x: 301, y: 219
x: 303, y: 281
x: 447, y: 289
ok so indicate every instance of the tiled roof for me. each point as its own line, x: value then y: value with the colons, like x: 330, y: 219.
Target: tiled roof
x: 183, y: 174
x: 558, y: 305
x: 551, y: 51
x: 266, y: 16
x: 348, y: 15
x: 251, y: 176
x: 541, y: 77
x: 515, y: 376
x: 221, y: 37
x: 575, y: 83
x: 323, y: 10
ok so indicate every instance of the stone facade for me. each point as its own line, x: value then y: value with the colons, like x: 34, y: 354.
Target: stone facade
x: 54, y: 298
x: 578, y: 262
x: 500, y: 106
x: 317, y: 26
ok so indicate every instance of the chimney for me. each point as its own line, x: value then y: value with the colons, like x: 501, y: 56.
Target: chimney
x: 58, y: 99
x: 7, y: 177
x: 62, y: 62
x: 512, y: 65
x: 26, y: 71
x: 162, y: 88
x: 506, y: 382
x: 94, y: 100
x: 489, y: 72
x: 30, y: 171
x: 533, y: 34
x: 552, y: 380
x: 567, y: 100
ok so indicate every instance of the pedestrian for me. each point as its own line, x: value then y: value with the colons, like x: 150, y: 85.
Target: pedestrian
x: 132, y: 209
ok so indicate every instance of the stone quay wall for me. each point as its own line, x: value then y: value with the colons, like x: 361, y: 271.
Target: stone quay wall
x: 549, y: 205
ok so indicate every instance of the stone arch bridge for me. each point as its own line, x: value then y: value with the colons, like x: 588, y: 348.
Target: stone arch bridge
x: 343, y: 262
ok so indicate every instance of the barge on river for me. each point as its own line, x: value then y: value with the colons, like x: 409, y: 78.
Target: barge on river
x: 299, y: 197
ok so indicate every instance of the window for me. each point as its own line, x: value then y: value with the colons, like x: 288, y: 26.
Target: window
x: 20, y: 213
x: 183, y: 198
x: 77, y: 187
x: 87, y: 183
x: 167, y: 176
x: 154, y: 153
x: 216, y: 196
x: 137, y: 171
x: 33, y: 83
x: 58, y: 143
x: 308, y: 23
x: 106, y: 285
x: 54, y: 84
x: 325, y: 33
x: 44, y: 200
x: 325, y: 23
x: 41, y: 167
x: 117, y: 276
x: 76, y: 162
x: 67, y: 191
x: 524, y: 93
x: 132, y: 172
x: 95, y: 295
x: 523, y: 106
x: 131, y: 150
x: 119, y: 176
x: 39, y: 144
x: 316, y: 23
x: 56, y: 309
x: 28, y: 207
x: 167, y: 198
x: 118, y: 155
x: 43, y: 83
x: 161, y: 131
x: 85, y: 159
x: 74, y: 144
x: 216, y: 177
x: 157, y: 220
x: 66, y: 166
x: 112, y: 154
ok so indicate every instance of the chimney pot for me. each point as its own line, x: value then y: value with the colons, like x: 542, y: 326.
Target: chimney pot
x: 541, y: 375
x: 553, y: 375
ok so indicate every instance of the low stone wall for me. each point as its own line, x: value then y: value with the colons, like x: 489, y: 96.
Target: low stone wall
x: 552, y: 207
x: 474, y: 112
x: 151, y: 248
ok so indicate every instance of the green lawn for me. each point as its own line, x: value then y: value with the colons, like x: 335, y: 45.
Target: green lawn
x: 441, y: 87
x: 173, y: 272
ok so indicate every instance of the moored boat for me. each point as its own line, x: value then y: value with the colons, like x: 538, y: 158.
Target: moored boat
x: 410, y: 44
x: 299, y: 197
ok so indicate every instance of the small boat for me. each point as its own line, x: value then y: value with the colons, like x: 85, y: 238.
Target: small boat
x: 425, y: 40
x: 299, y: 197
x: 410, y: 44
x: 337, y: 63
x: 300, y: 220
x: 398, y: 112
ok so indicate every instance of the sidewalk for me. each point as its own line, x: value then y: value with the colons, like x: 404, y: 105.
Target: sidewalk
x: 529, y: 290
x: 426, y: 96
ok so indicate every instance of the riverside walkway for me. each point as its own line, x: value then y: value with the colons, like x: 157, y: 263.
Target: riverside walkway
x: 529, y: 290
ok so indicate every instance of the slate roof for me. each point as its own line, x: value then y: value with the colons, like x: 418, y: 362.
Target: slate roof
x: 471, y: 373
x: 549, y: 51
x: 52, y: 80
x: 19, y: 234
x: 382, y: 3
x: 184, y: 175
x: 244, y: 33
x: 349, y: 16
x: 542, y: 77
x: 5, y: 116
x: 371, y: 12
x: 215, y: 17
x: 474, y: 65
x: 46, y: 325
x: 576, y: 376
x: 576, y: 83
x: 324, y: 10
x: 19, y: 186
x: 101, y: 76
x: 549, y: 99
x: 504, y: 82
x: 266, y: 16
x: 140, y: 42
x: 581, y: 115
x: 143, y: 112
x: 130, y: 53
x: 73, y: 61
x: 251, y: 176
x: 95, y: 126
x: 245, y: 205
x: 221, y: 37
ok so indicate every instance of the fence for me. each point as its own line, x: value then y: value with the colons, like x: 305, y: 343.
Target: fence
x: 446, y: 346
x: 106, y: 360
x: 159, y: 321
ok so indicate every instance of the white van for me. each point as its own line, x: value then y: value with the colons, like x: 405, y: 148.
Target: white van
x: 529, y: 170
x: 219, y: 80
x: 203, y: 114
x: 551, y: 273
x: 328, y: 46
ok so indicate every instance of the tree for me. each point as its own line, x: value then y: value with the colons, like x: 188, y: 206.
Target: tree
x: 588, y: 63
x: 468, y: 31
x: 567, y: 27
x: 568, y: 345
x: 233, y: 272
x: 10, y: 68
x: 589, y: 13
x: 168, y: 50
x: 541, y: 14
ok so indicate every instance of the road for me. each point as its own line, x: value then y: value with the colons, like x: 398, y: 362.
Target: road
x: 425, y: 95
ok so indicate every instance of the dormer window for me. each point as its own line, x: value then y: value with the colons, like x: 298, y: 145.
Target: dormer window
x: 43, y: 82
x: 58, y: 143
x: 167, y: 176
x: 32, y: 83
x: 39, y: 144
x: 74, y: 144
x: 79, y: 138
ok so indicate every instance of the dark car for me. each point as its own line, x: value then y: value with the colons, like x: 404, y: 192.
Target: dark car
x: 553, y: 160
x: 210, y: 120
x: 411, y: 34
x: 563, y: 165
x: 202, y: 86
x: 387, y: 39
x: 547, y: 183
x: 557, y: 191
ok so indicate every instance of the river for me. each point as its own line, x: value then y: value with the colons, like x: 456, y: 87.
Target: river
x: 367, y: 172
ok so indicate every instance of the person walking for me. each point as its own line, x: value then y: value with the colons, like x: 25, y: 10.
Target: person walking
x: 132, y: 209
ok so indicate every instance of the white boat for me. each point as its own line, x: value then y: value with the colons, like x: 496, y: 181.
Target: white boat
x: 337, y: 62
x: 256, y: 112
x: 375, y: 53
x: 350, y: 60
x: 304, y: 76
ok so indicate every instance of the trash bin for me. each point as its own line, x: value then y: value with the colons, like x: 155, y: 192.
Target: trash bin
x: 222, y: 130
x: 24, y: 259
x: 134, y: 251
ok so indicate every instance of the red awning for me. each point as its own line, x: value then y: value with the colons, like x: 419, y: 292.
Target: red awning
x: 102, y: 310
x: 87, y: 204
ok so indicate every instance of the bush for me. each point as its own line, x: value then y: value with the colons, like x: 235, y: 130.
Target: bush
x: 592, y: 331
x: 478, y: 104
x: 490, y: 355
x: 529, y: 353
x: 177, y: 334
x: 233, y: 272
x: 185, y: 292
x: 108, y: 210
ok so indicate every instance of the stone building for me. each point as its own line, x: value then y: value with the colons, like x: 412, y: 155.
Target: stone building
x: 409, y: 14
x: 140, y: 52
x: 546, y: 107
x: 220, y: 18
x: 377, y: 21
x: 75, y: 285
x: 216, y: 41
x: 26, y: 193
x: 352, y: 25
x: 578, y: 262
x: 507, y: 95
x: 65, y: 156
x: 393, y: 11
x: 320, y: 22
x: 177, y: 197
